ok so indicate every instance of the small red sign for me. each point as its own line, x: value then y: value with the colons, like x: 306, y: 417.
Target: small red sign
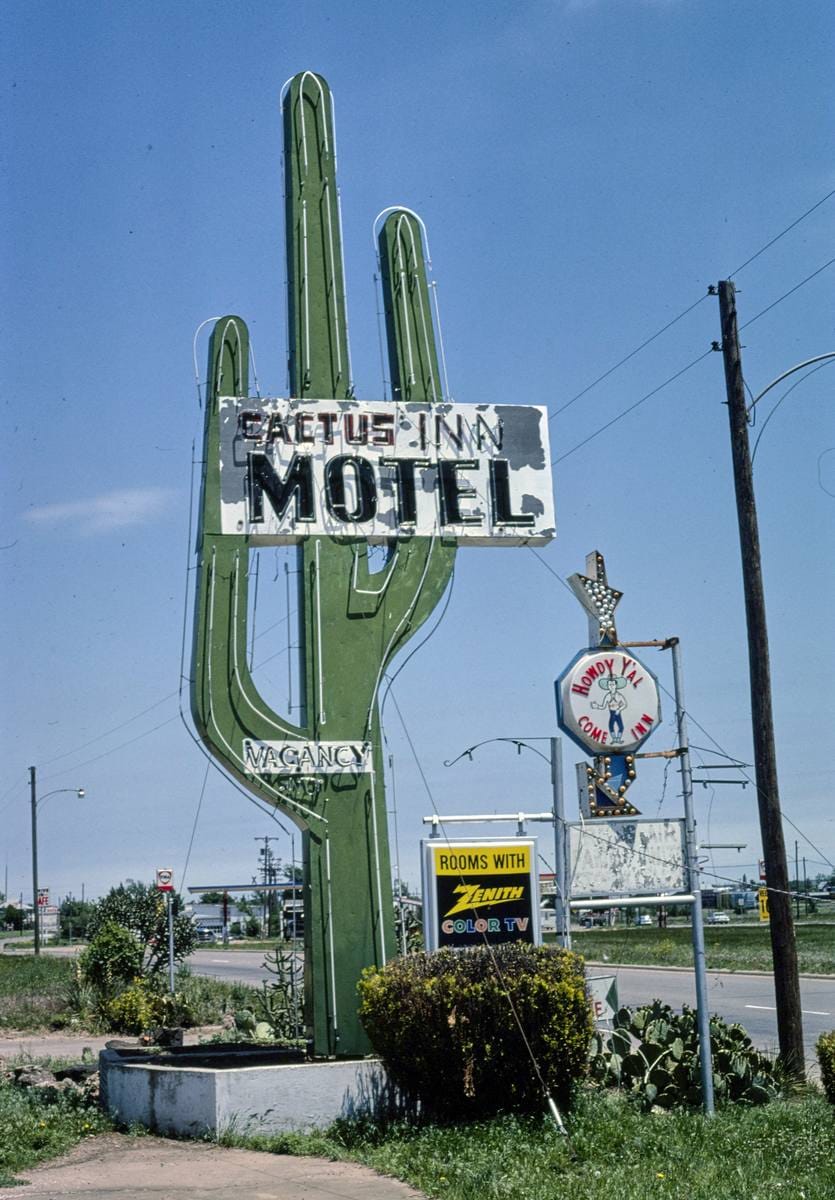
x: 165, y: 879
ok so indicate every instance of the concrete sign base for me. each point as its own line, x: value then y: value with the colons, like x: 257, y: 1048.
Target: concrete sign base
x: 194, y: 1100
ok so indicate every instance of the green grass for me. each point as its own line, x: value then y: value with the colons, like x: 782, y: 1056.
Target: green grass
x: 32, y: 1130
x: 727, y: 947
x: 33, y: 991
x: 783, y: 1149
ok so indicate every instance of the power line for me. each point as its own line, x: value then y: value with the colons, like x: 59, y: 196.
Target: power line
x: 783, y: 233
x: 647, y: 341
x: 107, y: 732
x: 627, y: 357
x: 631, y: 408
x: 113, y: 749
x: 786, y: 295
x: 194, y: 826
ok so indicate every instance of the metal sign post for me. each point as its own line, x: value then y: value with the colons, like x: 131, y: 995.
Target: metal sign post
x: 605, y: 680
x: 170, y: 900
x: 703, y: 1014
x: 562, y: 912
x: 165, y: 884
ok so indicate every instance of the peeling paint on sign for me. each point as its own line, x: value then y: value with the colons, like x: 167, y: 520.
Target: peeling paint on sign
x: 376, y: 470
x: 628, y: 858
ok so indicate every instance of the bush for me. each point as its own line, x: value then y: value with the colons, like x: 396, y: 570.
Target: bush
x: 826, y: 1058
x: 112, y: 960
x: 445, y: 1030
x: 143, y: 1007
x: 141, y: 909
x: 133, y: 1010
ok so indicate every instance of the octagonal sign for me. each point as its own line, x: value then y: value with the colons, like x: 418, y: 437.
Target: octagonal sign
x: 607, y: 701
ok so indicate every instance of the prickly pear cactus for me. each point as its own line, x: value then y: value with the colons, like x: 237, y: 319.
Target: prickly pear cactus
x: 652, y: 1054
x: 352, y: 620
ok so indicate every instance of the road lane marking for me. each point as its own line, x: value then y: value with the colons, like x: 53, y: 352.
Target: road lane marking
x: 219, y: 960
x: 807, y: 1012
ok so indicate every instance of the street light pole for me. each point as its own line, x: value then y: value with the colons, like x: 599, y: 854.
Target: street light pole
x: 562, y: 911
x: 33, y: 798
x: 783, y: 947
x: 34, y: 801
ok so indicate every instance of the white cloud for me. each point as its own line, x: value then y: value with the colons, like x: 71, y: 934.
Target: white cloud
x: 118, y: 509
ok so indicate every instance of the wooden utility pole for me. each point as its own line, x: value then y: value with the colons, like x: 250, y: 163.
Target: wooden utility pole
x: 783, y: 948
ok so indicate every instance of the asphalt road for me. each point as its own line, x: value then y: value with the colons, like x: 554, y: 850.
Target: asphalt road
x: 748, y: 999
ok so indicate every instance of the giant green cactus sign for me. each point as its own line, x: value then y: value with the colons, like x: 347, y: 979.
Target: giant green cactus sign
x: 332, y: 474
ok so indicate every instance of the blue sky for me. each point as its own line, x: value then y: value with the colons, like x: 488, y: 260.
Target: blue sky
x: 585, y: 170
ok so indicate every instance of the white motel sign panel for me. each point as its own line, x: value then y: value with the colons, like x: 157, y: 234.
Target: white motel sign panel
x: 477, y: 473
x: 299, y: 757
x: 608, y: 701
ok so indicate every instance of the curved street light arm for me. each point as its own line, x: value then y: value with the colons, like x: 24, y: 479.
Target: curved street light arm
x: 517, y: 742
x: 791, y: 371
x: 79, y: 792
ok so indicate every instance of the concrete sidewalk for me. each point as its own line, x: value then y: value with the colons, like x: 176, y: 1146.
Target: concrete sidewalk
x: 120, y: 1167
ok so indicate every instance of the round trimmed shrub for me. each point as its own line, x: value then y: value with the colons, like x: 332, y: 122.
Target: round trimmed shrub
x: 444, y: 1026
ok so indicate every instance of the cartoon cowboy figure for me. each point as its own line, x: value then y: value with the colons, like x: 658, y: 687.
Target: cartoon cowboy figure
x: 615, y: 703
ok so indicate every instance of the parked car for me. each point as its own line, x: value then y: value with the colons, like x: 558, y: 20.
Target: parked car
x: 643, y: 919
x: 716, y: 918
x: 590, y: 920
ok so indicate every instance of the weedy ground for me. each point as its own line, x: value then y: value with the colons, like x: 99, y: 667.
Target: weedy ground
x: 33, y: 991
x: 32, y: 1130
x: 727, y: 947
x: 38, y: 994
x: 782, y: 1149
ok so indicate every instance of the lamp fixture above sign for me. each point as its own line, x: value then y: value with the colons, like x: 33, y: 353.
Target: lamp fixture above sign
x: 475, y: 473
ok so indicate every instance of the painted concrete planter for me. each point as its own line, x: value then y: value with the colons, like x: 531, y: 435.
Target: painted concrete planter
x: 171, y: 1096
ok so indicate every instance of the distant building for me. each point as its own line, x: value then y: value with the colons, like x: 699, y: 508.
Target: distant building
x: 209, y: 917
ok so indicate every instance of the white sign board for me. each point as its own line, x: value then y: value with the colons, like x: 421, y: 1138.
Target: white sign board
x: 307, y: 758
x: 376, y: 470
x: 603, y: 996
x: 608, y: 701
x: 627, y: 857
x: 165, y: 879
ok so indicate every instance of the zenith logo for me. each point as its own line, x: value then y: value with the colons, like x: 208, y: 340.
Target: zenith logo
x: 473, y: 895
